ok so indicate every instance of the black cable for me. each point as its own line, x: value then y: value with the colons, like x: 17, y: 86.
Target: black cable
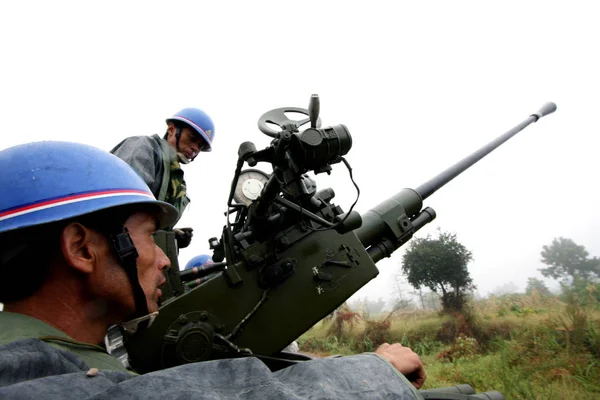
x: 306, y: 226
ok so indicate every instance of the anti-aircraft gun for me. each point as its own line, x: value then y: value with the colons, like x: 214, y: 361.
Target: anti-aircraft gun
x: 290, y: 256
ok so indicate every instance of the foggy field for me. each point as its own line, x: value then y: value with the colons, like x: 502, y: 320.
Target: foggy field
x: 525, y: 346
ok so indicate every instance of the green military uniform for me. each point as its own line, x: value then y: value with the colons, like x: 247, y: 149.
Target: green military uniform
x: 18, y: 326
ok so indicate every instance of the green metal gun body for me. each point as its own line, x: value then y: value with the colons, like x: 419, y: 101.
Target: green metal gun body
x: 288, y: 266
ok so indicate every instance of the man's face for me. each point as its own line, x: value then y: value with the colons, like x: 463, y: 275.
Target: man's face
x: 151, y: 259
x: 111, y: 283
x: 190, y: 142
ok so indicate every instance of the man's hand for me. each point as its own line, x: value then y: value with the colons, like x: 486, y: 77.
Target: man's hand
x: 183, y: 236
x: 406, y: 361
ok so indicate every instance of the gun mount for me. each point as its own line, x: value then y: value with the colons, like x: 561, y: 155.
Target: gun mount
x: 291, y: 255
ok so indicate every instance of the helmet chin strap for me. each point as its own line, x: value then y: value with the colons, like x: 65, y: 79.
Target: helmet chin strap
x: 177, y: 137
x: 183, y: 159
x: 180, y: 156
x: 127, y: 255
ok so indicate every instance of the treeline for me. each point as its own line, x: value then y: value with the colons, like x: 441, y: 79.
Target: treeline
x: 436, y: 269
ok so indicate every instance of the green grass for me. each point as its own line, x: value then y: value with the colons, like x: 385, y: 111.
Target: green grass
x: 531, y: 351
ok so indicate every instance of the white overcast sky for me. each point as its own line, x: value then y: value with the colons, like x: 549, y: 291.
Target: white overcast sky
x: 418, y: 84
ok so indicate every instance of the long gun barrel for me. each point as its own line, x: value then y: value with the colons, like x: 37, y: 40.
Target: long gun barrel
x: 292, y: 255
x: 391, y: 223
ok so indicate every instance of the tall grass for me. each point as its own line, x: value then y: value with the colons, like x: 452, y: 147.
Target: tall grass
x: 522, y: 346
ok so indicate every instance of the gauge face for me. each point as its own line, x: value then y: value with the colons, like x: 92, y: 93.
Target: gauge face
x: 249, y: 185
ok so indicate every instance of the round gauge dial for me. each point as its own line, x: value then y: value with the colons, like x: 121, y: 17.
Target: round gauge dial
x: 249, y: 185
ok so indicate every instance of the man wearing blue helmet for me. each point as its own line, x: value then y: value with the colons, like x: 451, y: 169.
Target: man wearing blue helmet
x: 199, y: 261
x: 76, y: 248
x: 77, y: 254
x: 158, y: 160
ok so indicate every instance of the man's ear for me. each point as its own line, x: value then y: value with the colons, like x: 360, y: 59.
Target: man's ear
x: 170, y: 129
x: 79, y: 246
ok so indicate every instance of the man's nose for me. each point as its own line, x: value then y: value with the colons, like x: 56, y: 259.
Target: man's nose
x: 164, y: 261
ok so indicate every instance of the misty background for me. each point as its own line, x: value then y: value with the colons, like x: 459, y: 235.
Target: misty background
x: 419, y: 86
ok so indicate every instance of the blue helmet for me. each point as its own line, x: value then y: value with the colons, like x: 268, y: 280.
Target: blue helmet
x: 198, y: 261
x: 44, y: 182
x: 198, y: 120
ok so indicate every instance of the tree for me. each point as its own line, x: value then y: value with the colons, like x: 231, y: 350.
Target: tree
x: 568, y: 261
x: 403, y: 295
x: 367, y: 306
x: 506, y: 288
x: 441, y: 265
x: 537, y: 285
x: 372, y: 307
x: 431, y: 300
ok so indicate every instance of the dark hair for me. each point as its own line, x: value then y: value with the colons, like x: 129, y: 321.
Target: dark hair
x: 178, y: 125
x: 24, y: 261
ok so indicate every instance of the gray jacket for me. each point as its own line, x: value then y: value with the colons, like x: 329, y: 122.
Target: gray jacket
x: 32, y: 369
x: 152, y: 157
x: 147, y: 157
